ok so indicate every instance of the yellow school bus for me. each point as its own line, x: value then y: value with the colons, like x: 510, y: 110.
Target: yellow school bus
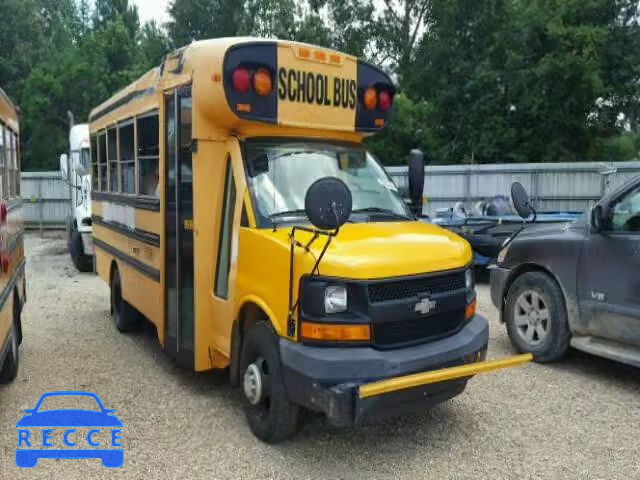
x: 12, y: 262
x: 236, y: 208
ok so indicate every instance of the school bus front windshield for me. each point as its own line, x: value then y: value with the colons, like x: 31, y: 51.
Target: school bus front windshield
x: 280, y: 173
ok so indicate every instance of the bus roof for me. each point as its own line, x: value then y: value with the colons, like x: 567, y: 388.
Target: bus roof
x: 8, y: 111
x: 241, y: 83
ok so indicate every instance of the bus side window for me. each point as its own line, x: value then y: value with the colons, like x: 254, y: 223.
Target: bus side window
x: 127, y: 157
x: 17, y: 165
x: 13, y: 161
x: 94, y: 162
x: 148, y: 154
x: 223, y: 265
x: 2, y: 156
x: 112, y: 158
x: 102, y: 159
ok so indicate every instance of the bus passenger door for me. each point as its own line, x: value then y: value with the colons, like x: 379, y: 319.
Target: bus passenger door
x: 179, y: 269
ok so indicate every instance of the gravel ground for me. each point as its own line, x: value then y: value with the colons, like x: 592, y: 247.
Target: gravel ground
x: 576, y: 419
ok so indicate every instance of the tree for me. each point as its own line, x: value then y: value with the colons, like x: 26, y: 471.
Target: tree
x: 197, y: 19
x: 398, y: 30
x: 525, y: 81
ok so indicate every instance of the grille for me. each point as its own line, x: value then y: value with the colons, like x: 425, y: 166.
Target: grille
x: 399, y: 332
x: 400, y: 289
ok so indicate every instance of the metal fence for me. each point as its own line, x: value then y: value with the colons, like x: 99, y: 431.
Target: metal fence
x: 45, y: 199
x: 552, y: 186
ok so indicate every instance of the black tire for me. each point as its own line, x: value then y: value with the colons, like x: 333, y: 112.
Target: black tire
x: 9, y: 369
x: 82, y: 262
x: 123, y: 315
x: 551, y: 345
x: 17, y: 314
x: 275, y: 418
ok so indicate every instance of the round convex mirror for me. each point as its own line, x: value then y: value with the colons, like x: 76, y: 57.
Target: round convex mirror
x: 328, y: 203
x: 520, y: 199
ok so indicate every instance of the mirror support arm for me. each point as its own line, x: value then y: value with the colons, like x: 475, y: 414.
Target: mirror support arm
x: 291, y: 322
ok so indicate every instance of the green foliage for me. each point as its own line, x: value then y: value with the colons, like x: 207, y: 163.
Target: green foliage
x: 67, y: 55
x: 527, y: 80
x: 197, y: 19
x: 408, y: 128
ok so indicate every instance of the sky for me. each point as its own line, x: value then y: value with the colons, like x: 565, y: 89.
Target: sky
x: 152, y: 10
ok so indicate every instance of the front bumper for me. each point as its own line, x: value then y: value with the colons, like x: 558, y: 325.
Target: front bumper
x: 499, y: 277
x: 334, y: 380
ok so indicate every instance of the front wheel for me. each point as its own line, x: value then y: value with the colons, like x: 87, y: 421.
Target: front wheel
x: 270, y: 414
x: 83, y: 262
x: 536, y: 317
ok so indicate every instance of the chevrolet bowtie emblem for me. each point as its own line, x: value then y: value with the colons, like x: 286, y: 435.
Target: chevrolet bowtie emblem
x: 424, y: 306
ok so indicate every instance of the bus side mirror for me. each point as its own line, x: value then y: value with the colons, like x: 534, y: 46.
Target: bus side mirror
x: 416, y: 180
x: 328, y: 203
x: 80, y: 170
x: 597, y: 219
x: 520, y: 199
x: 64, y: 167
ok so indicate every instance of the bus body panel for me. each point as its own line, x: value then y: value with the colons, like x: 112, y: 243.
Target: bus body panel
x: 12, y: 281
x: 205, y: 128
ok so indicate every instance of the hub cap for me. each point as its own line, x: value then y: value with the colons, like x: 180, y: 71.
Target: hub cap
x: 532, y: 318
x: 253, y: 384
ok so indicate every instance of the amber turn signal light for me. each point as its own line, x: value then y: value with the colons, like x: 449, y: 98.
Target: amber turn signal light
x: 470, y: 311
x: 335, y: 333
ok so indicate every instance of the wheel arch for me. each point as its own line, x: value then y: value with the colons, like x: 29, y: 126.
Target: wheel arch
x: 530, y: 267
x: 251, y: 311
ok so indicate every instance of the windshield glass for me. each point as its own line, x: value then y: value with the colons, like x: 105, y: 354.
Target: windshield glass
x: 280, y: 174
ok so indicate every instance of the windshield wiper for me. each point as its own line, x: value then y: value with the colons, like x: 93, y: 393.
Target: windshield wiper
x: 384, y: 211
x: 286, y: 213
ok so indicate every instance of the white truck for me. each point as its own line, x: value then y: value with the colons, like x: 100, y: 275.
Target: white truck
x: 74, y: 168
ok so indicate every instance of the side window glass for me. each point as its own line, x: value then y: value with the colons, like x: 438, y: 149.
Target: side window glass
x: 127, y: 157
x: 102, y: 161
x: 14, y: 165
x: 17, y: 164
x: 94, y: 162
x: 3, y: 155
x: 223, y: 266
x: 626, y: 213
x: 148, y: 154
x: 112, y: 157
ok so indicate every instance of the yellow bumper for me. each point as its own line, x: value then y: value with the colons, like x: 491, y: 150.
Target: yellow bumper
x: 424, y: 378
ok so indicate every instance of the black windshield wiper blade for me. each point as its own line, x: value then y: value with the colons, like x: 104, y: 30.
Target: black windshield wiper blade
x: 384, y: 211
x: 285, y: 213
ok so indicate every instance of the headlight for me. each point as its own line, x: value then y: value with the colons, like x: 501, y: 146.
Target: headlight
x: 469, y: 280
x: 335, y: 299
x: 503, y: 253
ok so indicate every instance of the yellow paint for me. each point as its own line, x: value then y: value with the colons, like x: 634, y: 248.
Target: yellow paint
x: 425, y: 378
x: 148, y: 221
x: 312, y: 115
x: 143, y: 252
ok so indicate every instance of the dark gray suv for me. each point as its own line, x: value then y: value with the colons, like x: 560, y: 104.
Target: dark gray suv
x: 575, y: 284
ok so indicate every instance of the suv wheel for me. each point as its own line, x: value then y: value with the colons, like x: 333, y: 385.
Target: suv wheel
x: 536, y: 318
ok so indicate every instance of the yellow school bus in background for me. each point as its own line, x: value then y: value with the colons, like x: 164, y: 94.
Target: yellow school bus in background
x: 236, y: 208
x: 12, y: 262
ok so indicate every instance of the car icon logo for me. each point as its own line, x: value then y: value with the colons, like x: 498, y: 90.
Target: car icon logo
x: 83, y: 433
